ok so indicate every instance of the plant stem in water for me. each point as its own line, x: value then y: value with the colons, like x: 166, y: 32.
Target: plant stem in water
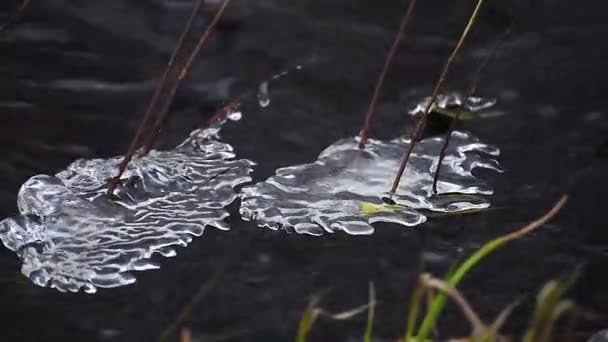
x: 463, y: 269
x: 147, y: 145
x: 470, y: 93
x: 364, y: 135
x: 177, y: 69
x: 422, y: 121
x: 222, y: 113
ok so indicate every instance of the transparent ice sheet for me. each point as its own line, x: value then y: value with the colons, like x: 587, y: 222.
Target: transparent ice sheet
x: 71, y: 236
x: 344, y: 189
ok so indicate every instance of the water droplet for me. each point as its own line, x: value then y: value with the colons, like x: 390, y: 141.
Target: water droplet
x: 263, y: 98
x: 235, y: 116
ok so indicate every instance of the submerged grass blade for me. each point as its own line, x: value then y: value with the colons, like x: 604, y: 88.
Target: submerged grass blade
x: 177, y: 68
x: 387, y: 63
x: 422, y: 121
x: 461, y: 271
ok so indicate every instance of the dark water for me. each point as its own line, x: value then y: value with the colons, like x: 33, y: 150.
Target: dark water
x: 77, y: 75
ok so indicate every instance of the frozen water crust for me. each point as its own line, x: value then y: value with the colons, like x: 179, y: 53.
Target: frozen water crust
x: 344, y: 189
x: 70, y: 236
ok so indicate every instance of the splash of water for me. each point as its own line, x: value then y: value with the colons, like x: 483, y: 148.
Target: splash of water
x: 70, y: 236
x: 344, y: 189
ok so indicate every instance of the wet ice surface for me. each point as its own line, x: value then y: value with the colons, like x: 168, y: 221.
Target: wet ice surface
x: 343, y: 189
x: 71, y: 236
x: 455, y: 100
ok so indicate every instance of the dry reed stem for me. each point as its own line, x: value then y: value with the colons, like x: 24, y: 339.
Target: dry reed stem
x: 422, y: 121
x: 147, y: 145
x: 364, y: 134
x: 222, y: 113
x: 165, y: 91
x: 470, y: 93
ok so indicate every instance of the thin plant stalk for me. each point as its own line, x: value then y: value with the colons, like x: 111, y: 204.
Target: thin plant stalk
x: 550, y: 306
x: 504, y: 315
x: 222, y: 113
x: 456, y: 277
x: 15, y: 16
x: 185, y: 335
x: 497, y: 45
x: 480, y: 331
x: 307, y: 321
x: 147, y: 145
x: 158, y: 102
x: 176, y: 70
x: 364, y: 135
x: 414, y: 311
x: 313, y: 311
x: 371, y: 312
x: 456, y: 296
x: 470, y: 93
x: 438, y: 86
x: 203, y: 291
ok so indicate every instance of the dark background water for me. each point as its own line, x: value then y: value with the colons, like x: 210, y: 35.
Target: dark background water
x: 76, y: 77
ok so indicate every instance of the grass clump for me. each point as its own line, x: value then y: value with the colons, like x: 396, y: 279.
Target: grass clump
x: 550, y: 302
x: 314, y: 311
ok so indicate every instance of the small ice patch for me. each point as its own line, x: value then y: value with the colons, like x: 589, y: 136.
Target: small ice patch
x: 455, y: 100
x: 345, y: 187
x: 70, y: 236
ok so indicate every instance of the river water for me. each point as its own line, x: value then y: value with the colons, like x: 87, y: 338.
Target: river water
x: 76, y: 78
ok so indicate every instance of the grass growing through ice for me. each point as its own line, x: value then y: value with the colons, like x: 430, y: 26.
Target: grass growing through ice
x: 431, y: 104
x: 462, y: 114
x: 364, y: 134
x: 177, y: 69
x: 550, y: 305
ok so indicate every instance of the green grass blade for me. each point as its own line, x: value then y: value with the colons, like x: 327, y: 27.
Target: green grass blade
x: 369, y: 328
x: 414, y: 311
x: 456, y: 277
x: 306, y: 322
